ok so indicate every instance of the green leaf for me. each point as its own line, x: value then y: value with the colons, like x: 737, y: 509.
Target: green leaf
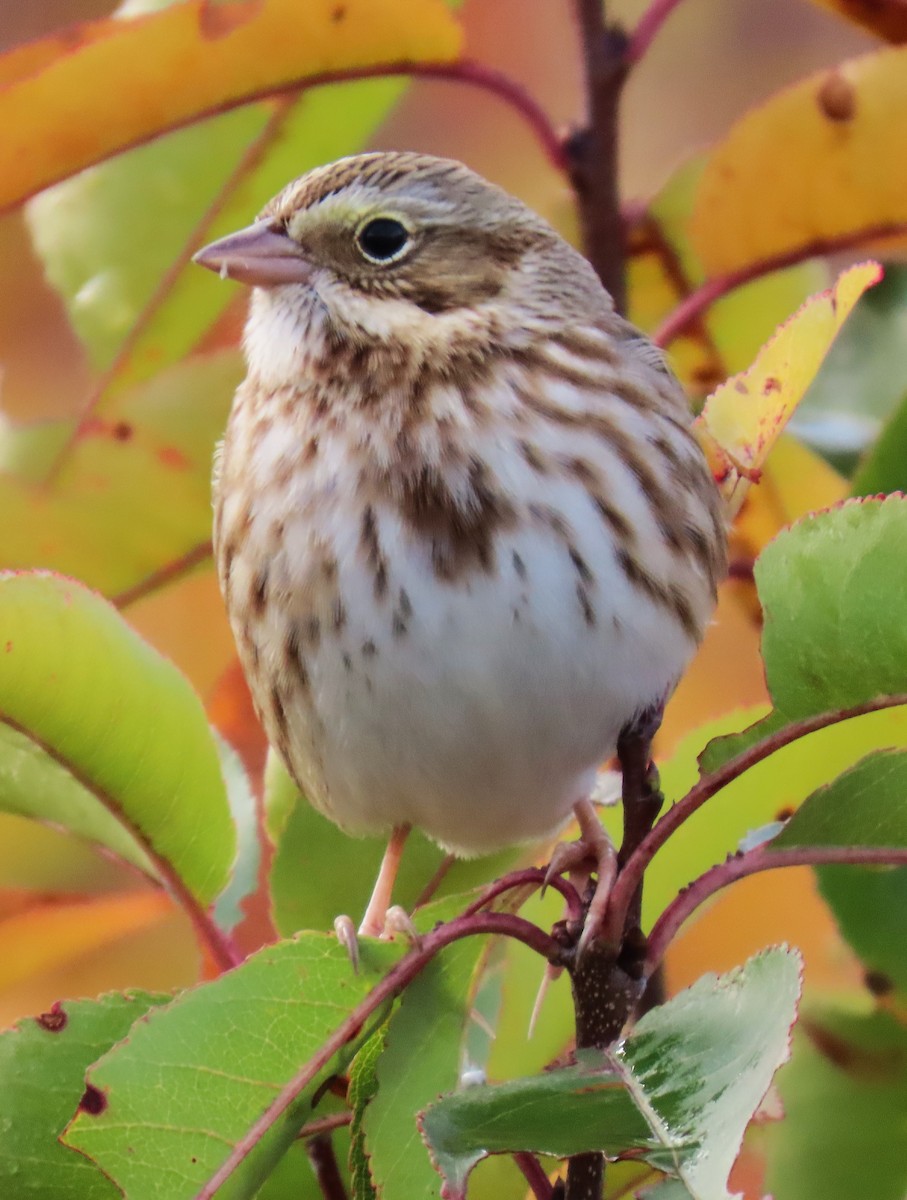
x: 845, y: 1102
x: 884, y: 469
x: 42, y: 1064
x: 362, y: 1090
x: 244, y: 877
x: 868, y: 360
x: 307, y: 889
x: 866, y: 806
x: 135, y: 492
x: 769, y: 790
x: 32, y: 784
x: 108, y: 236
x: 190, y: 1081
x: 122, y: 721
x: 680, y: 1090
x: 424, y: 1054
x: 833, y: 590
x: 870, y: 907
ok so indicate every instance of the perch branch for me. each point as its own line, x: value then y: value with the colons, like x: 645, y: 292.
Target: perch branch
x: 709, y: 785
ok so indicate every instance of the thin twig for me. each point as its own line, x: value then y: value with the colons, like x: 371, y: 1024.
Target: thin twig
x: 692, y: 308
x: 210, y: 935
x: 647, y: 28
x: 325, y: 1125
x: 530, y: 875
x: 321, y: 1154
x: 399, y: 977
x: 710, y: 785
x: 535, y: 1175
x: 168, y: 573
x: 763, y: 858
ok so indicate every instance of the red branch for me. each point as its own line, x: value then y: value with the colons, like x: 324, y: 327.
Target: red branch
x: 209, y: 934
x: 690, y: 309
x: 399, y: 977
x: 649, y: 25
x: 463, y: 70
x: 168, y: 573
x: 634, y: 869
x: 534, y: 1174
x: 763, y: 858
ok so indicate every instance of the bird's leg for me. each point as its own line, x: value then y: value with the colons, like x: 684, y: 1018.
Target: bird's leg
x: 373, y: 922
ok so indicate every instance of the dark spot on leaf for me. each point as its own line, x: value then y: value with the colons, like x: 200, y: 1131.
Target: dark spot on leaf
x: 171, y: 457
x: 785, y: 814
x: 741, y: 387
x: 771, y: 385
x: 338, y: 13
x: 122, y: 431
x: 9, y: 647
x: 836, y: 98
x: 93, y: 1101
x: 54, y: 1019
x: 878, y: 983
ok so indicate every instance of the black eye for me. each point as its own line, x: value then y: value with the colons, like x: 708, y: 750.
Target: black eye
x: 382, y: 239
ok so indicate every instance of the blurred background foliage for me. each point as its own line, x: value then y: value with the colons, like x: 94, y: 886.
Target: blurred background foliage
x: 101, y: 313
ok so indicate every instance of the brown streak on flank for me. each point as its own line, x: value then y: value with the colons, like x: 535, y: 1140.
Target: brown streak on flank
x: 368, y: 539
x: 533, y: 457
x: 404, y: 606
x: 313, y: 631
x: 259, y: 593
x: 582, y: 567
x: 585, y: 604
x: 668, y: 596
x: 615, y: 520
x: 369, y: 649
x: 519, y: 566
x: 585, y: 345
x: 460, y: 532
x: 338, y: 613
x: 279, y: 713
x: 292, y: 647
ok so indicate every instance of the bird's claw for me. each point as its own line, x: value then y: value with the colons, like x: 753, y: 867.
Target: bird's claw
x: 398, y: 920
x: 347, y: 936
x: 594, y: 852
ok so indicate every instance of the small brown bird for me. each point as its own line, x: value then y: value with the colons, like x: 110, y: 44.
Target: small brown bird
x: 463, y: 531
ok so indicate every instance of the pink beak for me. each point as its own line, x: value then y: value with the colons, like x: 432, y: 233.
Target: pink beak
x: 260, y: 254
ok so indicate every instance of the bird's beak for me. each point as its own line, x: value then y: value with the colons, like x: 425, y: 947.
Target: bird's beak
x: 260, y: 255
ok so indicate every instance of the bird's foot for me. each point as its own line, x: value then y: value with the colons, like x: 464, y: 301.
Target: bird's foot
x: 396, y: 921
x: 593, y: 854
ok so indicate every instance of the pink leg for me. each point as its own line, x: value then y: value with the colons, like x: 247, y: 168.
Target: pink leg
x: 376, y: 913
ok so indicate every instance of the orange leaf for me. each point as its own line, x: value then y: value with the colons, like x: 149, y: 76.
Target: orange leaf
x: 812, y: 170
x: 743, y: 418
x: 50, y: 935
x: 887, y: 18
x: 81, y: 96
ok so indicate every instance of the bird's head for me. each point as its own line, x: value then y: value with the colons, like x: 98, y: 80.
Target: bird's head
x: 382, y: 245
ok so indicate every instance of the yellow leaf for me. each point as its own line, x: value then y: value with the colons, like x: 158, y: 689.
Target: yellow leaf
x: 815, y: 168
x: 79, y: 97
x: 887, y: 18
x: 742, y: 419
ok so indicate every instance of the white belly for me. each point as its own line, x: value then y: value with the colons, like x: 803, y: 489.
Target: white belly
x: 479, y: 709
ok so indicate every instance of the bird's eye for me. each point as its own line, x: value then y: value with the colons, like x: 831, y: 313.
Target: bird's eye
x: 382, y: 239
